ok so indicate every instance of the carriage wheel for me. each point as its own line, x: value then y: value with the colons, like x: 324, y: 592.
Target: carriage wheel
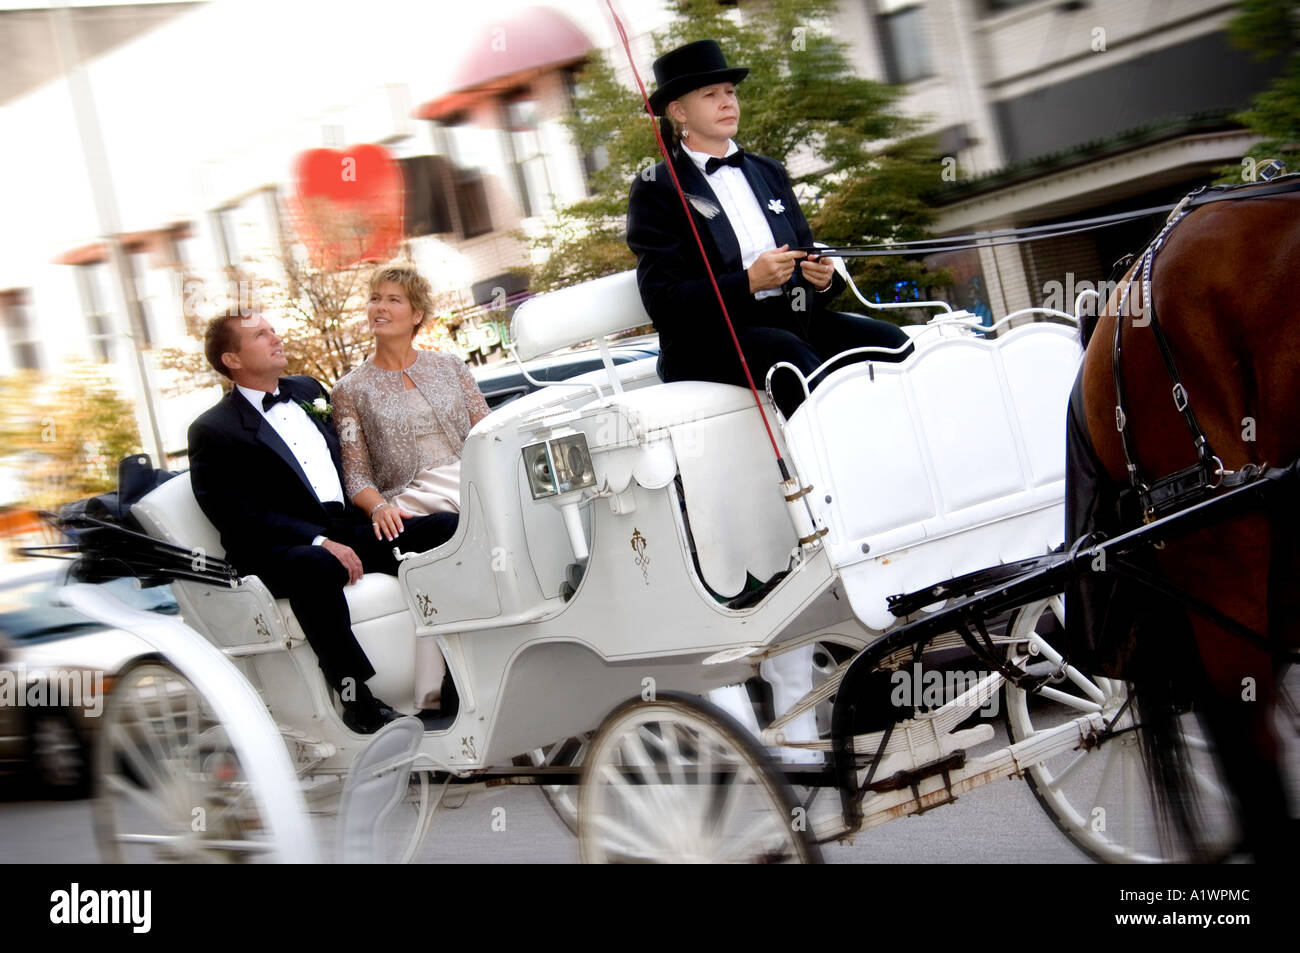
x: 1101, y: 797
x: 677, y: 780
x: 171, y: 786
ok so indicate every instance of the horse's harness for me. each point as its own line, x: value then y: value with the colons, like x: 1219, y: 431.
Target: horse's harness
x: 1183, y: 487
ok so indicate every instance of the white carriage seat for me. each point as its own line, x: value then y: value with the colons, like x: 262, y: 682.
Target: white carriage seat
x: 941, y: 465
x: 574, y: 315
x: 380, y: 619
x: 729, y: 475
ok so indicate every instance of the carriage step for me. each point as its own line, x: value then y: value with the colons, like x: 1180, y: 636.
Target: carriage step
x: 304, y: 748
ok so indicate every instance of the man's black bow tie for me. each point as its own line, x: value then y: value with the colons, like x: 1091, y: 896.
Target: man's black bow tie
x: 714, y: 163
x: 270, y: 400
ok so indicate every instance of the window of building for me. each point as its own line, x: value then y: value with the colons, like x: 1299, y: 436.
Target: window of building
x: 20, y: 330
x: 595, y: 159
x: 427, y: 211
x: 472, y: 203
x: 248, y: 229
x: 93, y: 287
x: 524, y: 148
x: 464, y: 145
x: 903, y: 43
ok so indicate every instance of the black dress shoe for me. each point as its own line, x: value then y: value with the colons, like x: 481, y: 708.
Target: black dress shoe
x: 367, y: 717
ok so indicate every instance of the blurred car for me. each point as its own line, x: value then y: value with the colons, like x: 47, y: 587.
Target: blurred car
x: 503, y: 382
x: 57, y: 667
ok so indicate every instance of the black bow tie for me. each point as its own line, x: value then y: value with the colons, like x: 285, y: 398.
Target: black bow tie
x: 270, y: 400
x: 714, y: 163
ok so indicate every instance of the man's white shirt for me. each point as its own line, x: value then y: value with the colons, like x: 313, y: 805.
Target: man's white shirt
x: 741, y: 207
x: 304, y: 441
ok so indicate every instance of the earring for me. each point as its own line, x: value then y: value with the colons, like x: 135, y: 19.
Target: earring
x: 686, y: 133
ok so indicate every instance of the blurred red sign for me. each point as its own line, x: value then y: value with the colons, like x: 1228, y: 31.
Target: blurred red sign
x: 349, y: 204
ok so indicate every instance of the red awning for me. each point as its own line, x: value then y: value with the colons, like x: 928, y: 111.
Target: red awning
x: 150, y: 240
x: 510, y: 54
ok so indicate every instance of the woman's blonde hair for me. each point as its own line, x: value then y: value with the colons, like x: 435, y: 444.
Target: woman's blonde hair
x: 413, y: 284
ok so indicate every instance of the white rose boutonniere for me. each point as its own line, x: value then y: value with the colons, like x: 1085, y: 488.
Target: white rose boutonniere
x: 319, y: 408
x: 775, y: 206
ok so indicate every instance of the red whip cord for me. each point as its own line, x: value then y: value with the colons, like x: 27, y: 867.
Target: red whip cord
x: 668, y: 161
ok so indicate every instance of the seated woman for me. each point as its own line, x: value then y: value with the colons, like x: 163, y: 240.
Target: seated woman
x: 748, y: 218
x: 402, y: 419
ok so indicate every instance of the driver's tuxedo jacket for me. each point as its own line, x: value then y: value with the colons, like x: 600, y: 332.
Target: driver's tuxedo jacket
x: 674, y: 285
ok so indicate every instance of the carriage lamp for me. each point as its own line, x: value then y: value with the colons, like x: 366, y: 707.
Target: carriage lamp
x: 557, y: 467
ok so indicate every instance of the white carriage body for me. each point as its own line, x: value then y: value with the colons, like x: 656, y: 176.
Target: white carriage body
x: 921, y: 470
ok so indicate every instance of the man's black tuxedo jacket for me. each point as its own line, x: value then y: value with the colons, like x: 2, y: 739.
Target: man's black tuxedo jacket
x: 249, y: 483
x: 674, y: 285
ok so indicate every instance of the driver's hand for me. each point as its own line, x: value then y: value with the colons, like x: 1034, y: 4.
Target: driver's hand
x: 819, y: 271
x: 772, y: 269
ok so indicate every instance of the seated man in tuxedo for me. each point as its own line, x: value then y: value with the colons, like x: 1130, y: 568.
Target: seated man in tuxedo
x: 267, y: 473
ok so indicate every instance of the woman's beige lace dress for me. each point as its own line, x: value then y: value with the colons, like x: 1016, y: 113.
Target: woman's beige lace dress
x: 407, y: 444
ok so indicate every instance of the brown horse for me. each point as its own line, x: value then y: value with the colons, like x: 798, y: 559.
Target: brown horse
x: 1224, y: 287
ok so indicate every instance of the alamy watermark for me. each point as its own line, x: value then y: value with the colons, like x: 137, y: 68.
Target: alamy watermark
x: 52, y: 688
x: 932, y: 689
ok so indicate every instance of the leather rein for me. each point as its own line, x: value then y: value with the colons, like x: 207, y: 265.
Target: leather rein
x: 1170, y: 493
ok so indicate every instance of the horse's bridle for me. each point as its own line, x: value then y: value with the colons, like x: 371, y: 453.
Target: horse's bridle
x: 1172, y: 492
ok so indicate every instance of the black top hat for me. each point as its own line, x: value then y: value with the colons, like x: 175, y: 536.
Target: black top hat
x: 689, y: 67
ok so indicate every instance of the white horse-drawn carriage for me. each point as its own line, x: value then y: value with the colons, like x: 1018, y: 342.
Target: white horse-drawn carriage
x: 626, y: 550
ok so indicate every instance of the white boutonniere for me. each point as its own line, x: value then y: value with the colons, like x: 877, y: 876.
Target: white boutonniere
x: 775, y: 206
x: 319, y: 408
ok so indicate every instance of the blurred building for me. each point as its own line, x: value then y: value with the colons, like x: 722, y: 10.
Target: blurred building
x: 205, y: 108
x: 1052, y: 110
x: 1047, y: 109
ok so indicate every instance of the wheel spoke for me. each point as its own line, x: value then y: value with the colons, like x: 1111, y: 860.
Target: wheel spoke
x: 1131, y: 799
x: 161, y: 756
x: 737, y: 848
x: 1060, y: 777
x: 152, y: 806
x: 670, y: 781
x: 120, y: 741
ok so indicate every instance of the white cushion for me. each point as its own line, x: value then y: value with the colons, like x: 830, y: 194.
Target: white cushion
x: 171, y: 513
x: 584, y: 312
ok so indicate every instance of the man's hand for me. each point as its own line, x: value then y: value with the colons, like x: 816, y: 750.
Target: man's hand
x: 772, y: 269
x: 351, y: 562
x: 819, y: 272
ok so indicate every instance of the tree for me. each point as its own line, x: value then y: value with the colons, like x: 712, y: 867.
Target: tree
x: 67, y: 435
x: 316, y: 303
x: 1268, y: 29
x: 800, y: 98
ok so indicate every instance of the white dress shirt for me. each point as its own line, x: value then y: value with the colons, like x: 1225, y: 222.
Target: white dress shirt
x: 305, y: 442
x: 741, y: 207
